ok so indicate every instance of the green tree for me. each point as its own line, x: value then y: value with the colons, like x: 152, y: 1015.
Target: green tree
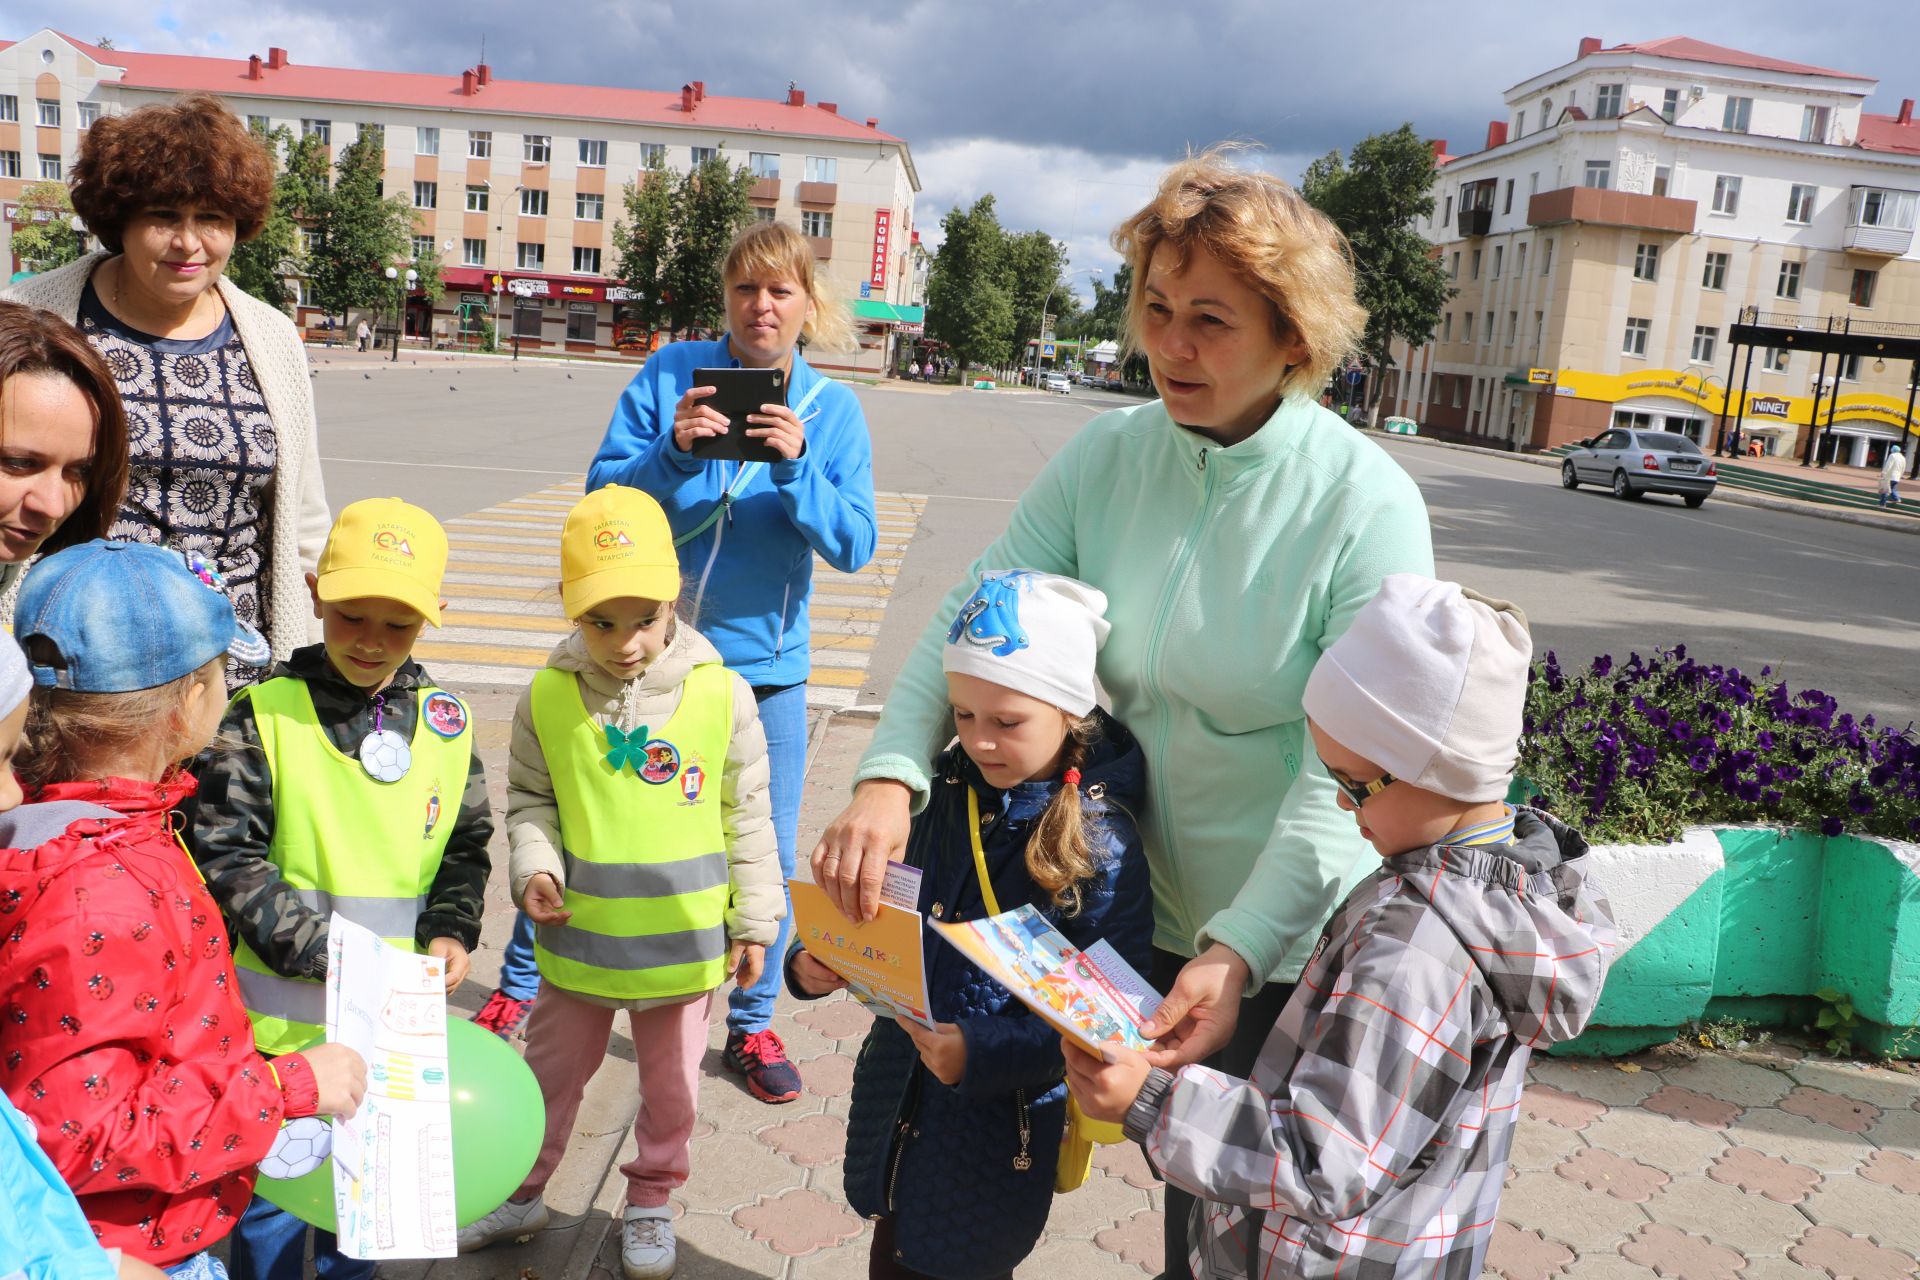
x: 1375, y: 197
x: 969, y: 305
x: 360, y: 232
x: 43, y: 234
x: 710, y: 208
x: 1032, y: 263
x: 1107, y: 317
x: 643, y: 244
x: 261, y: 265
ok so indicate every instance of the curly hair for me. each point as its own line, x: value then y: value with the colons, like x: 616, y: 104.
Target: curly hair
x: 1263, y: 231
x: 776, y: 249
x: 39, y: 342
x: 191, y: 151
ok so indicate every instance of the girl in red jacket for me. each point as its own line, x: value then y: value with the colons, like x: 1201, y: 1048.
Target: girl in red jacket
x: 122, y: 1035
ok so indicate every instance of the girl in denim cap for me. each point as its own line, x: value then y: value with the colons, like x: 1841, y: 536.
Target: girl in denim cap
x: 126, y: 1042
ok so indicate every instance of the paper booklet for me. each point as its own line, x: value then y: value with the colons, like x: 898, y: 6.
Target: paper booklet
x: 882, y: 959
x: 1091, y: 996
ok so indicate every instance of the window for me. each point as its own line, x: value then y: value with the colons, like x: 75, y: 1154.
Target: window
x: 259, y: 124
x: 1466, y: 318
x: 9, y: 164
x: 1714, y: 276
x: 309, y: 240
x: 1487, y: 329
x: 531, y: 256
x: 49, y: 168
x: 653, y: 155
x: 583, y: 326
x: 1670, y: 105
x: 478, y: 198
x: 1800, y: 203
x: 1533, y: 185
x: 822, y: 169
x: 1520, y: 125
x: 533, y: 203
x: 764, y: 164
x: 49, y: 112
x: 1861, y: 292
x: 703, y: 154
x: 1635, y: 342
x: 1546, y: 258
x: 1876, y: 207
x: 762, y: 213
x: 1453, y: 268
x: 590, y: 208
x: 1789, y: 283
x: 593, y: 153
x: 321, y: 129
x: 88, y: 113
x: 526, y: 318
x: 1476, y: 265
x: 1814, y: 122
x: 423, y: 248
x: 1446, y: 327
x: 536, y: 148
x: 1606, y: 103
x: 1539, y: 329
x: 1646, y: 262
x: 426, y: 141
x: 586, y: 262
x: 1520, y: 259
x: 1662, y: 179
x: 1705, y: 338
x: 1513, y: 327
x: 1850, y: 368
x: 1499, y: 252
x: 1738, y: 113
x: 426, y: 195
x: 1726, y: 194
x: 1774, y: 360
x: 1447, y: 217
x: 813, y: 222
x: 480, y: 145
x: 1507, y: 206
x: 9, y: 106
x: 1599, y: 174
x: 473, y: 251
x: 1457, y: 380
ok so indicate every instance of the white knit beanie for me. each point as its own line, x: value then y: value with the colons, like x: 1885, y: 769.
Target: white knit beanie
x: 16, y: 682
x: 1038, y: 633
x: 1429, y: 683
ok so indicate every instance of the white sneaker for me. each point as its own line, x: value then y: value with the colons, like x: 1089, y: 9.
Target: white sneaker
x: 511, y: 1221
x: 646, y: 1243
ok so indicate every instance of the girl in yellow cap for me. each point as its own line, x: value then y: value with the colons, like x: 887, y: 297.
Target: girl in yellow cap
x: 643, y: 849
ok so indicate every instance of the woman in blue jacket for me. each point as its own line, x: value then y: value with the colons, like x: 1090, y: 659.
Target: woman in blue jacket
x: 747, y: 536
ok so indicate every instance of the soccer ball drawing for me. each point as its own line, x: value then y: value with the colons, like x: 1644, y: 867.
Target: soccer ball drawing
x: 301, y: 1147
x: 385, y: 756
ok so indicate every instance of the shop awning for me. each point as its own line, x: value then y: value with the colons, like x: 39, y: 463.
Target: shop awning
x: 873, y: 310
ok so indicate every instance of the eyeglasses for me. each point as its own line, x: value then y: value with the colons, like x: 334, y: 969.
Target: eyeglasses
x: 1361, y: 792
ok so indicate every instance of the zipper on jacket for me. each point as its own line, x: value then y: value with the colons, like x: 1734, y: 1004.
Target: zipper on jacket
x: 780, y: 639
x: 719, y: 535
x: 1022, y: 1162
x: 902, y: 1128
x: 1203, y: 459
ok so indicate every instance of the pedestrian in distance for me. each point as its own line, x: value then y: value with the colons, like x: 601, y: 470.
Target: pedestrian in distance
x: 362, y: 334
x: 130, y: 1049
x: 639, y: 818
x: 1236, y: 528
x: 1892, y: 468
x: 954, y: 1134
x: 347, y: 776
x: 1371, y: 1137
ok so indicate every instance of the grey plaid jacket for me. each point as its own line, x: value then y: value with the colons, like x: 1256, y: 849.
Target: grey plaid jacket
x: 1372, y: 1140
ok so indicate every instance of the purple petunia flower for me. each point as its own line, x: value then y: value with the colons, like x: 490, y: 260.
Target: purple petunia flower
x: 1832, y: 826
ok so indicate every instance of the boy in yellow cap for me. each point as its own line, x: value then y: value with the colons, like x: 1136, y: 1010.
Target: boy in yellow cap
x: 346, y: 781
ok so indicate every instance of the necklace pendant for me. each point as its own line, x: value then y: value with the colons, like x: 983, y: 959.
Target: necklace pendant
x: 385, y: 755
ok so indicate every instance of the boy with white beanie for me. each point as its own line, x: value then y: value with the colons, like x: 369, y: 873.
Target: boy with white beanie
x: 1373, y: 1137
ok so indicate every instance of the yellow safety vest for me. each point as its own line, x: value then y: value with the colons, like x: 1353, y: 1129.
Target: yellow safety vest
x: 346, y: 843
x: 644, y: 846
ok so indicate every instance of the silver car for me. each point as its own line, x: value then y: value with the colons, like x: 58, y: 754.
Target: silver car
x: 1635, y: 463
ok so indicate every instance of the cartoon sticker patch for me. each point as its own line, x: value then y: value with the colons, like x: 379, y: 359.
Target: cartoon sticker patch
x: 446, y: 715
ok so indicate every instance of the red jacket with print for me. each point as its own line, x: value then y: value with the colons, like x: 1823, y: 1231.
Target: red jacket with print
x: 122, y: 1033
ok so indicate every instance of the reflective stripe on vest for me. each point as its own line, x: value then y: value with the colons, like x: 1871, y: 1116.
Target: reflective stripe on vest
x: 645, y: 854
x: 368, y: 850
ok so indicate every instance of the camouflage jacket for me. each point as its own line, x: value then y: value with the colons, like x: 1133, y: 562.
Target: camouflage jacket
x: 230, y: 823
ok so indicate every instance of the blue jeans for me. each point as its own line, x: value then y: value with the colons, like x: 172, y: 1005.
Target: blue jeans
x: 270, y: 1243
x: 783, y: 714
x: 519, y: 974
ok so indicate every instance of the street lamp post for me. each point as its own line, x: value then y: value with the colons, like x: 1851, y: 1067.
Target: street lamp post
x: 501, y: 269
x: 1725, y: 392
x: 1041, y: 337
x: 400, y: 308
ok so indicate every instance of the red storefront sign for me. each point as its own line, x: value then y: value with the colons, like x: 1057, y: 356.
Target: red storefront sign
x: 882, y: 236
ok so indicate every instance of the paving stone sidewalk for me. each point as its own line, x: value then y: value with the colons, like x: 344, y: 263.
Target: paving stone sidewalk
x: 1752, y: 1166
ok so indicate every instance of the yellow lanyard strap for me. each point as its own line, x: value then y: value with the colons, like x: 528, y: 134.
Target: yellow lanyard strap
x: 980, y: 854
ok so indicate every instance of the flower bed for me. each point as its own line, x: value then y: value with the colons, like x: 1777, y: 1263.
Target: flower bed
x: 1756, y: 845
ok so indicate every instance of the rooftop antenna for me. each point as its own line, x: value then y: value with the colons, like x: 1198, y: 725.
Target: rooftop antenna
x: 483, y: 48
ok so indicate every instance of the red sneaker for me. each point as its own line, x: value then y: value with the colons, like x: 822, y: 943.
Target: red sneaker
x: 502, y: 1014
x: 762, y: 1059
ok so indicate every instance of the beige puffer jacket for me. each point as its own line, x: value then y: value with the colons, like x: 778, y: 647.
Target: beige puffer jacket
x: 533, y: 815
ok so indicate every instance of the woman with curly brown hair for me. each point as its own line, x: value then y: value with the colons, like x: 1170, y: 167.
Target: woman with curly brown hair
x: 222, y: 458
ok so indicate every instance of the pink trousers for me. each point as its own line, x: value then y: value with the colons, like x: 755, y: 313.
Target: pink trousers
x: 566, y: 1043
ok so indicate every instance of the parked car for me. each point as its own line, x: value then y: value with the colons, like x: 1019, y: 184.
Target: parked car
x: 1636, y: 463
x: 1058, y: 382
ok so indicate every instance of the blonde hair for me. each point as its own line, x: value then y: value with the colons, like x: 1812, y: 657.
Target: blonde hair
x: 776, y: 249
x: 71, y: 736
x: 1266, y: 233
x: 1060, y: 857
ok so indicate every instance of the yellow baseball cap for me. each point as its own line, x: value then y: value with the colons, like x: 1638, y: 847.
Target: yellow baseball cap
x: 616, y: 542
x: 385, y: 549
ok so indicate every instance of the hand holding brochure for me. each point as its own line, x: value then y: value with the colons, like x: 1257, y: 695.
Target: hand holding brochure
x: 1092, y: 996
x: 882, y: 959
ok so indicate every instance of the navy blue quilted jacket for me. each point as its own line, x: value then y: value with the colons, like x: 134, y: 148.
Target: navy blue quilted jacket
x: 940, y: 1160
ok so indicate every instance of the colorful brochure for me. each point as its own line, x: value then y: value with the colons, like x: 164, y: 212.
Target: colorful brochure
x: 1091, y: 996
x: 882, y: 959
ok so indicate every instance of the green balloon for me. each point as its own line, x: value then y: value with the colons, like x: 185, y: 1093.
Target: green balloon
x: 498, y: 1123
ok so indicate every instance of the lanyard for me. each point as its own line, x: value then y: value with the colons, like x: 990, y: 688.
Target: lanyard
x: 979, y: 853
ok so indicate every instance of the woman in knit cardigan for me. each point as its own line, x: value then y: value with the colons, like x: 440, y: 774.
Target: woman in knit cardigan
x: 222, y: 458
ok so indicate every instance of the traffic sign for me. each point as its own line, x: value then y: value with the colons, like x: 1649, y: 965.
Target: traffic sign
x: 1046, y: 351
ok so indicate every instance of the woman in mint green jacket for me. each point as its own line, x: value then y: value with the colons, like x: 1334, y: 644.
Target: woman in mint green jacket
x: 1236, y: 527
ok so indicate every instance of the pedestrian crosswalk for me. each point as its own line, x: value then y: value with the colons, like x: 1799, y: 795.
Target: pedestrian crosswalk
x: 503, y: 596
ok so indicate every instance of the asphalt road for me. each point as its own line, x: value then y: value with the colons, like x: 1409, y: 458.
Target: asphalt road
x: 1831, y: 605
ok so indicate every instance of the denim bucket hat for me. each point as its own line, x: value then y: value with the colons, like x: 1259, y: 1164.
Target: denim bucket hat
x: 114, y: 617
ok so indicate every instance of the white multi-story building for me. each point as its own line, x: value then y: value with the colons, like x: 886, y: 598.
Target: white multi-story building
x: 1631, y: 208
x: 516, y: 184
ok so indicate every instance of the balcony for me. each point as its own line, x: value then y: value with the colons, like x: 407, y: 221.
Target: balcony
x: 821, y: 193
x: 1474, y: 222
x: 1879, y: 222
x: 765, y: 191
x: 1605, y: 208
x: 822, y: 247
x: 1476, y: 207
